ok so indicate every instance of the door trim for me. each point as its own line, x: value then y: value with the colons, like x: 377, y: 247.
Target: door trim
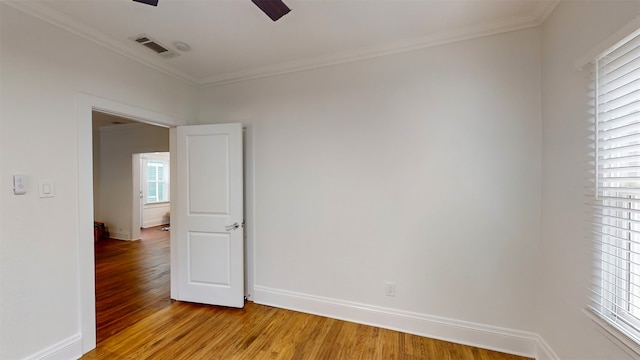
x: 136, y: 202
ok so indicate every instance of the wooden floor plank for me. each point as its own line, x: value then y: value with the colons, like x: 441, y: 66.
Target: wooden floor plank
x: 137, y: 320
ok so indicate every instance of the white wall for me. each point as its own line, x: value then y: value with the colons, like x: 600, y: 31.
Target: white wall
x: 117, y: 145
x: 43, y: 70
x: 421, y: 168
x: 572, y: 31
x: 2, y: 183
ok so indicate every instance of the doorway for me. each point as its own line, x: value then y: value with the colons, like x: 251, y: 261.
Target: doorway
x: 120, y: 200
x: 151, y: 192
x: 117, y: 143
x: 86, y: 105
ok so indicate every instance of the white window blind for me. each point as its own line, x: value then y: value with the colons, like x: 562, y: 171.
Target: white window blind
x: 155, y: 177
x: 157, y: 184
x: 616, y: 211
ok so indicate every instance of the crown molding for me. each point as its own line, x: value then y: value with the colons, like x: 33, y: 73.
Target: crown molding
x: 58, y: 19
x: 64, y: 22
x: 442, y: 38
x: 540, y: 14
x: 544, y: 10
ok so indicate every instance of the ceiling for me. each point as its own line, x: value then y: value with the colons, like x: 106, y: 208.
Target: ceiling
x: 100, y: 120
x: 232, y: 40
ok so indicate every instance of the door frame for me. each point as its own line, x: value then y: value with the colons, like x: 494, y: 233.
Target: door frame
x: 136, y: 199
x: 85, y: 105
x: 138, y: 160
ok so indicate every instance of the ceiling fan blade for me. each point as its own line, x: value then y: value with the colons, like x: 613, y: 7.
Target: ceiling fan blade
x: 148, y: 2
x: 275, y: 9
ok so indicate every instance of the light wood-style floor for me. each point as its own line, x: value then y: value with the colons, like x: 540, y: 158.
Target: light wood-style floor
x: 136, y: 320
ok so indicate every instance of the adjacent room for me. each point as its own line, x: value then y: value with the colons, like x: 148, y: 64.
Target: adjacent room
x: 408, y: 166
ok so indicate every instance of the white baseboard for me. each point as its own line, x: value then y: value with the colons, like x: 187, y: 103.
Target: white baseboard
x: 120, y: 236
x: 68, y: 349
x: 544, y: 351
x: 509, y: 341
x: 154, y: 222
x: 462, y: 332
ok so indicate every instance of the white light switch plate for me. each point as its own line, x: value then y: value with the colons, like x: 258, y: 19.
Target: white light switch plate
x: 47, y: 189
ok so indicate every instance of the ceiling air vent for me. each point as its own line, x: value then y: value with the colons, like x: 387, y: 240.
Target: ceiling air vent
x: 154, y: 46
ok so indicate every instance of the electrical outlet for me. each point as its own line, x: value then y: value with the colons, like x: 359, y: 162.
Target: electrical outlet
x: 390, y: 289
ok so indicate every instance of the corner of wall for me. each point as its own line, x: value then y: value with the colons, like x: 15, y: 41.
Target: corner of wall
x: 544, y: 351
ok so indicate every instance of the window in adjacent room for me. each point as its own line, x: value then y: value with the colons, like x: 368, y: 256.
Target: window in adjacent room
x: 155, y: 169
x: 616, y: 210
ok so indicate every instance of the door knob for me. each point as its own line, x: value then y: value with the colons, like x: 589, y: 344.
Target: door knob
x: 232, y: 227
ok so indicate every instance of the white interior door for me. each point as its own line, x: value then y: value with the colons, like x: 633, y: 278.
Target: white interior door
x: 207, y: 219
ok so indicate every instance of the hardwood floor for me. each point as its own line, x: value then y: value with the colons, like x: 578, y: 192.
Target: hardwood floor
x: 136, y: 320
x: 132, y: 280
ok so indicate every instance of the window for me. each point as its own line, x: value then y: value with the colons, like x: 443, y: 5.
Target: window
x: 616, y: 210
x: 156, y: 177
